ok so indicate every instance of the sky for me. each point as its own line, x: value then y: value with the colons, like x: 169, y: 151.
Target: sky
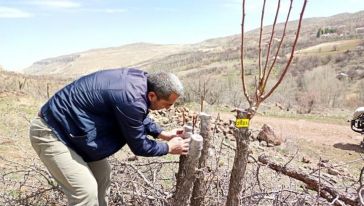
x: 31, y: 30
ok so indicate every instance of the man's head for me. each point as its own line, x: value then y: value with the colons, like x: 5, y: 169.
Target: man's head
x: 163, y: 90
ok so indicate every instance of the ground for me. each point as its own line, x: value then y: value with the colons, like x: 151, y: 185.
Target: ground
x: 306, y: 137
x: 333, y: 141
x: 317, y: 133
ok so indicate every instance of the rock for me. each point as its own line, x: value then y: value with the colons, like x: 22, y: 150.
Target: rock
x: 309, y: 167
x: 332, y: 171
x: 251, y: 160
x: 306, y: 160
x: 268, y: 135
x: 162, y: 112
x: 221, y: 128
x: 225, y: 131
x: 230, y: 137
x: 211, y: 152
x: 261, y: 148
x: 132, y: 158
x: 323, y: 164
x: 232, y: 126
x: 164, y: 120
x: 252, y: 138
x: 279, y: 106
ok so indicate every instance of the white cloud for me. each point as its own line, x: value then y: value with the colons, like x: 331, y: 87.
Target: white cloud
x: 65, y: 4
x: 164, y: 9
x: 106, y: 10
x: 112, y: 11
x: 7, y: 12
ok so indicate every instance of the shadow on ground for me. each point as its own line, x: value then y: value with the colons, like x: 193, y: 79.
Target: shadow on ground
x: 349, y: 147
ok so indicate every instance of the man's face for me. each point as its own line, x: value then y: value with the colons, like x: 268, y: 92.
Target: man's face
x: 158, y: 103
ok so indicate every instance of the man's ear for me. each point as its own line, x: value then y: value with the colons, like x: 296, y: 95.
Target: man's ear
x: 152, y: 96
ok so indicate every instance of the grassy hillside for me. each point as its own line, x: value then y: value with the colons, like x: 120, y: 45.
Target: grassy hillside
x: 325, y: 73
x: 25, y: 180
x: 86, y: 62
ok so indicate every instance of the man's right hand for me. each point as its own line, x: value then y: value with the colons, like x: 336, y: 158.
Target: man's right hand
x: 178, y: 146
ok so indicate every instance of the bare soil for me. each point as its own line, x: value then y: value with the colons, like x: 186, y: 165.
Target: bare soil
x: 317, y: 133
x: 313, y: 140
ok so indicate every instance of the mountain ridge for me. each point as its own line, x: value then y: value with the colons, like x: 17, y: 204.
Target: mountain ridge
x: 146, y: 55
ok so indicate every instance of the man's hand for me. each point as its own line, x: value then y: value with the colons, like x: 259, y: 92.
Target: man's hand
x: 171, y: 134
x: 177, y: 145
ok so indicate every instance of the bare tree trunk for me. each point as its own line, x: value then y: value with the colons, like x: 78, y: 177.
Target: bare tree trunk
x: 240, y: 161
x: 186, y: 173
x: 22, y: 84
x: 48, y: 90
x: 187, y: 131
x: 199, y: 189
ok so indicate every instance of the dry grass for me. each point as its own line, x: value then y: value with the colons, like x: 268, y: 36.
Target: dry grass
x: 330, y: 48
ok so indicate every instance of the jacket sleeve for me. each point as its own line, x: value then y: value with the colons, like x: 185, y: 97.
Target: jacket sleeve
x: 151, y: 127
x: 130, y: 118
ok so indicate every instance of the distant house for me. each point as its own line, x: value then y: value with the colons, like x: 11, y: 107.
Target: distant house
x: 342, y: 30
x: 359, y: 30
x: 359, y: 48
x: 342, y: 75
x: 329, y: 35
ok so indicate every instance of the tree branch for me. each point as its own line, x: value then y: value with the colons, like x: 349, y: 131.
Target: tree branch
x: 261, y: 83
x: 292, y: 53
x: 260, y: 43
x: 279, y: 46
x: 242, y: 57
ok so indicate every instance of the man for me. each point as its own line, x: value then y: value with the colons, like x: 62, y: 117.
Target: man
x: 95, y: 116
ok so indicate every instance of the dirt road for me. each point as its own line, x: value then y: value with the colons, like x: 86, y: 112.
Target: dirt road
x: 315, y: 132
x: 314, y: 140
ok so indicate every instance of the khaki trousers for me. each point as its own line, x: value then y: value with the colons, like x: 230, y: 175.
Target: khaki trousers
x: 84, y: 183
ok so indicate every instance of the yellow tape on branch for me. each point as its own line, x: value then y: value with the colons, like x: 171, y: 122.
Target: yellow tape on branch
x: 242, y: 123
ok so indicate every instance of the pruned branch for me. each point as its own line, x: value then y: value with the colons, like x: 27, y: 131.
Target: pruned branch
x: 361, y: 188
x: 326, y: 191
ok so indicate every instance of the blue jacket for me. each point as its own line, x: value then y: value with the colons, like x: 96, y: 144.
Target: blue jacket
x: 98, y: 114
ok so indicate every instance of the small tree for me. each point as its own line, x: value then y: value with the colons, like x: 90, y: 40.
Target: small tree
x: 318, y: 34
x: 255, y: 98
